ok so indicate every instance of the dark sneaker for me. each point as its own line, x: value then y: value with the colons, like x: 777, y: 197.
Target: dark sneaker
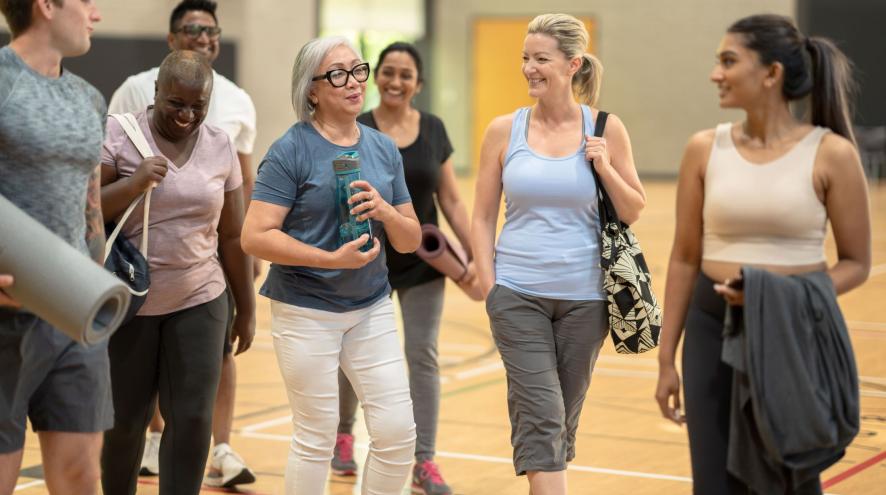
x: 426, y: 479
x: 343, y: 463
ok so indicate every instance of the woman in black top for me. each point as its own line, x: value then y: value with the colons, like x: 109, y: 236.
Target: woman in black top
x: 422, y: 140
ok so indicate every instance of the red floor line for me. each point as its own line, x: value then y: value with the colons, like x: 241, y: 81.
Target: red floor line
x: 854, y: 470
x: 205, y: 488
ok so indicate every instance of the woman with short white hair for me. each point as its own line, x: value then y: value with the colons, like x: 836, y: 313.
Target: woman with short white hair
x: 330, y: 300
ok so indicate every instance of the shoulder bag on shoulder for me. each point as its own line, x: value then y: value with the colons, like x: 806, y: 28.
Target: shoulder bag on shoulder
x: 634, y: 313
x: 122, y: 258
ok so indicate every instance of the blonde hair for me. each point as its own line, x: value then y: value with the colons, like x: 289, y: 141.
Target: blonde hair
x: 573, y: 39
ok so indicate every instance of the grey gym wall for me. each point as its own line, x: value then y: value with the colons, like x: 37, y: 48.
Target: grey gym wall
x: 856, y: 27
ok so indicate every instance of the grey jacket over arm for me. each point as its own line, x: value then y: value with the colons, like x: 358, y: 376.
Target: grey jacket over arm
x: 795, y: 398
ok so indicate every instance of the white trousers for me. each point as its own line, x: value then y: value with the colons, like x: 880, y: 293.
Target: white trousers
x: 311, y: 345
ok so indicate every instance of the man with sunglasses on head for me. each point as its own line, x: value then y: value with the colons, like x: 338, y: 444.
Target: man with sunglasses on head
x: 193, y: 25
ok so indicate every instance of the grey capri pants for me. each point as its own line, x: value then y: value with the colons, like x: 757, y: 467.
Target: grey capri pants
x: 549, y: 347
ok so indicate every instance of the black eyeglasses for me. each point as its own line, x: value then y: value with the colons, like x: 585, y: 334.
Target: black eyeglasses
x: 195, y: 30
x: 339, y: 77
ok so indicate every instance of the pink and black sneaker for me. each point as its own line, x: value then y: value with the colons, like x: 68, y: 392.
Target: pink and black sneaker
x: 426, y: 479
x: 343, y: 463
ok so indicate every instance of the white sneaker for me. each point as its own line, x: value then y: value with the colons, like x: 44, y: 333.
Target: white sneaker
x: 227, y: 469
x: 151, y: 456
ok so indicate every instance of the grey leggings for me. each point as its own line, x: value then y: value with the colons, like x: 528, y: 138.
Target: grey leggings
x: 421, y: 307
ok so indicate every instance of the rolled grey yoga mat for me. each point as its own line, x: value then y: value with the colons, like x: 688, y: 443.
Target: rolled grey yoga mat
x: 56, y: 282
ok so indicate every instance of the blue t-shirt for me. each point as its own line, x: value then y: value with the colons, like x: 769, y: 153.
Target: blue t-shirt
x: 297, y: 173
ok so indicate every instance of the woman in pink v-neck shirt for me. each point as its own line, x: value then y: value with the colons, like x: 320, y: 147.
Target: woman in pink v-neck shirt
x: 185, y: 212
x: 174, y: 345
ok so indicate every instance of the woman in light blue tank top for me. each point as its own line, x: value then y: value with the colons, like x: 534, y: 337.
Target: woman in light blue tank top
x: 546, y: 304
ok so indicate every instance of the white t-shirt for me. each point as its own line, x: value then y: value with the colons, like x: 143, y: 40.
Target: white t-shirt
x: 230, y: 108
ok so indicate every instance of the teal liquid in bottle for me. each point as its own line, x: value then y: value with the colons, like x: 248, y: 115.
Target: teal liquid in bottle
x: 347, y: 169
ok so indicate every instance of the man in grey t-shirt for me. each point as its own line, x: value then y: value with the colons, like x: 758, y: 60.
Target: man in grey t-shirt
x: 51, y: 130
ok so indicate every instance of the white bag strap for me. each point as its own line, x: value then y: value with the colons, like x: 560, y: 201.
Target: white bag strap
x: 130, y: 126
x: 132, y: 129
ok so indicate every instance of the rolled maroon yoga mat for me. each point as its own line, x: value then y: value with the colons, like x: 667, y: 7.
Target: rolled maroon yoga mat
x: 446, y: 257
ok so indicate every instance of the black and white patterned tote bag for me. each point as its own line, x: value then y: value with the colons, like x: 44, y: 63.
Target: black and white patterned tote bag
x: 634, y: 312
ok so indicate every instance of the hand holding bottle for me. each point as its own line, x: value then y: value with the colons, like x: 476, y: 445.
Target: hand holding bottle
x: 369, y: 204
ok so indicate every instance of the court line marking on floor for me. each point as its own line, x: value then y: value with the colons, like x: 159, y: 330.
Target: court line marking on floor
x: 500, y: 460
x: 30, y: 484
x: 873, y: 326
x: 877, y: 270
x: 282, y: 420
x: 496, y: 366
x: 873, y: 461
x: 629, y: 361
x: 625, y: 373
x: 479, y: 370
x: 873, y: 379
x: 454, y: 346
x: 262, y: 412
x: 471, y: 388
x: 507, y: 460
x: 204, y: 488
x: 586, y: 469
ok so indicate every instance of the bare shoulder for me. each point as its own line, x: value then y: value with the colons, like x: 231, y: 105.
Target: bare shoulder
x: 697, y: 152
x: 703, y: 138
x: 700, y: 143
x: 836, y: 151
x: 498, y: 133
x: 837, y: 161
x: 615, y: 127
x: 500, y: 126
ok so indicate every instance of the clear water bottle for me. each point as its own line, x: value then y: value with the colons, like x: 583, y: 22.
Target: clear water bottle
x: 347, y: 169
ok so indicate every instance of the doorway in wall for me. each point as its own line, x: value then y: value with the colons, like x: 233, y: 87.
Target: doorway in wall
x: 498, y: 86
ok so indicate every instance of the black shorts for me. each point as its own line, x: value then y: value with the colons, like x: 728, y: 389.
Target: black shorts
x: 59, y: 384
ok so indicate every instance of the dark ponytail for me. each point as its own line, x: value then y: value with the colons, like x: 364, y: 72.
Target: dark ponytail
x: 833, y: 87
x: 812, y: 66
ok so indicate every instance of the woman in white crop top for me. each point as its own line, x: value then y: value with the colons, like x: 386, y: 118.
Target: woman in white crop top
x: 757, y: 192
x: 547, y: 309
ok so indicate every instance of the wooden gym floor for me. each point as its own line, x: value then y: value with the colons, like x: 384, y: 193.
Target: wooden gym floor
x: 624, y: 446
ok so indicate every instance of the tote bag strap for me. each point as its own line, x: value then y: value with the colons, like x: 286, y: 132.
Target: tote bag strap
x: 133, y: 131
x: 607, y: 210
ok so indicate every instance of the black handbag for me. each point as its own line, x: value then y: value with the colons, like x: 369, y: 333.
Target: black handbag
x: 634, y: 312
x: 122, y: 258
x: 128, y: 264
